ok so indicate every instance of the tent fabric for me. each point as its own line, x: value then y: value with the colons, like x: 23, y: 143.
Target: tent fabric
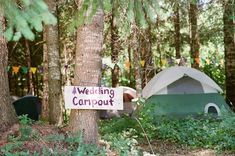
x: 160, y: 82
x: 181, y: 105
x: 128, y: 105
x: 185, y: 85
x: 128, y: 90
x: 28, y: 105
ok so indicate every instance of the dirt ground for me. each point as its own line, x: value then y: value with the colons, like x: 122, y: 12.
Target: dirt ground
x: 159, y: 147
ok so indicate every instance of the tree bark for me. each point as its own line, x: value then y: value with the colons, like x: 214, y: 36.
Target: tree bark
x: 7, y: 111
x: 194, y: 40
x: 88, y: 73
x: 45, y: 103
x: 177, y: 30
x: 114, y: 46
x: 30, y: 74
x: 136, y: 61
x: 147, y: 56
x: 229, y: 48
x: 130, y: 73
x: 54, y: 77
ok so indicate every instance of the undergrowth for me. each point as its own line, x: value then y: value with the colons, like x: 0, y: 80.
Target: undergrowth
x: 209, y: 132
x: 122, y: 136
x: 53, y: 145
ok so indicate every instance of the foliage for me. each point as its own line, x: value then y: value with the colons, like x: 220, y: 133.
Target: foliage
x: 137, y: 11
x: 124, y: 143
x: 75, y: 146
x: 216, y: 72
x: 118, y: 125
x: 56, y: 144
x: 25, y: 129
x: 23, y: 16
x: 24, y: 120
x: 84, y: 14
x: 218, y: 134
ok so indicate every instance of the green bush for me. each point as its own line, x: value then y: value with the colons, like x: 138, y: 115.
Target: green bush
x: 216, y: 72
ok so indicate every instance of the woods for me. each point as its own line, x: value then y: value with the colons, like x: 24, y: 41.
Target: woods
x: 47, y: 45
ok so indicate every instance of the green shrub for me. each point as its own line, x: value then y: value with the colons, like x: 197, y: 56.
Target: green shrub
x: 124, y: 143
x: 216, y: 72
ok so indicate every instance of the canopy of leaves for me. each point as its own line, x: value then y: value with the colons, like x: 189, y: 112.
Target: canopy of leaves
x: 25, y: 16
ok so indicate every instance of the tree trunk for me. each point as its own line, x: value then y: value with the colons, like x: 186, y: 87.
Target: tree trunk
x: 114, y: 46
x: 130, y: 73
x: 54, y: 77
x: 88, y: 73
x: 147, y: 56
x: 136, y: 61
x: 159, y: 42
x: 229, y: 48
x: 7, y: 112
x: 177, y: 30
x: 45, y: 103
x: 30, y: 74
x: 194, y: 40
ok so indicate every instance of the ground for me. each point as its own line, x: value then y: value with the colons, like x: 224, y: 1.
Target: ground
x: 159, y: 147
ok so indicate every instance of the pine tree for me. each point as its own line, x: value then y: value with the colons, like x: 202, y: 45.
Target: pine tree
x: 88, y: 69
x: 23, y: 16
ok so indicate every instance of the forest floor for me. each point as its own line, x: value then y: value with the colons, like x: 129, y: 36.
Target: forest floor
x: 158, y: 146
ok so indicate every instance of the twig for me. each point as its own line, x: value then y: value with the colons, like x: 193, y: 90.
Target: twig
x: 145, y: 134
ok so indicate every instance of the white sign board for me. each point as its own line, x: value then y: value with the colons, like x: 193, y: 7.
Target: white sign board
x: 77, y: 97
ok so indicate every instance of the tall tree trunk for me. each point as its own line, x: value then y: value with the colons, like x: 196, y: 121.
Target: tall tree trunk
x: 194, y: 40
x: 45, y: 103
x: 159, y: 42
x: 130, y: 74
x: 30, y: 74
x: 136, y: 60
x: 88, y: 73
x: 7, y: 112
x: 114, y: 46
x: 54, y: 77
x: 229, y: 48
x: 177, y: 30
x: 147, y: 56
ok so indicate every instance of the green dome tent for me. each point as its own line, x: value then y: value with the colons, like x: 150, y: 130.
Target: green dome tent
x: 182, y: 91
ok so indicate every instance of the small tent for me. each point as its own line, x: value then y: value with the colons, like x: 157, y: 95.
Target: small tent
x: 128, y: 105
x: 182, y: 91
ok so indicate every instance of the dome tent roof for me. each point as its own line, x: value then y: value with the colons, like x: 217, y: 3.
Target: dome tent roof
x: 181, y: 80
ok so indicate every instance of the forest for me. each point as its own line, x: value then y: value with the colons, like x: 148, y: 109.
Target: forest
x: 117, y: 77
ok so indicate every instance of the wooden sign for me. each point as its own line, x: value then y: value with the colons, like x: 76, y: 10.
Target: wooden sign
x: 100, y: 98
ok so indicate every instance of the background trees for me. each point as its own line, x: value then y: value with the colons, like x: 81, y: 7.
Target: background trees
x: 20, y: 19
